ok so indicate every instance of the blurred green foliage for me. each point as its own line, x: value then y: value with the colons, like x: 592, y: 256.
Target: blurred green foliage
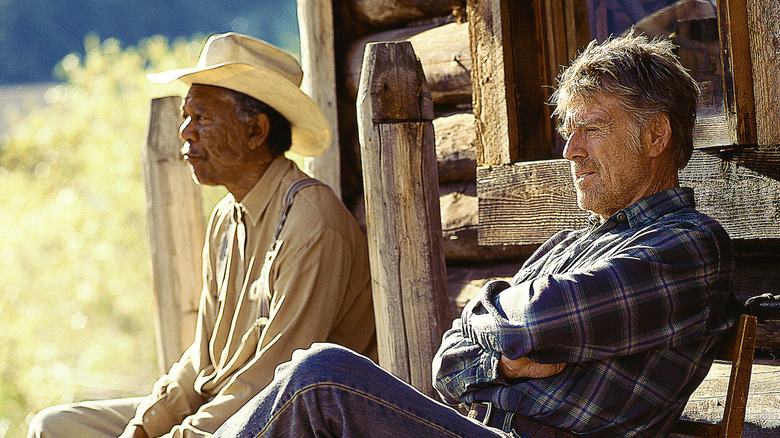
x: 75, y: 289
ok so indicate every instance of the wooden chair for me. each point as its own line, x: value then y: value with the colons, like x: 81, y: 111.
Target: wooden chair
x: 739, y: 349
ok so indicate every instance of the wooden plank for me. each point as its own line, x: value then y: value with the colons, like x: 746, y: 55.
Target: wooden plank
x: 744, y: 201
x: 764, y: 26
x: 318, y: 61
x: 578, y: 26
x: 176, y: 231
x: 495, y: 119
x: 517, y: 50
x: 395, y: 115
x: 525, y: 203
x: 737, y: 71
x: 532, y: 54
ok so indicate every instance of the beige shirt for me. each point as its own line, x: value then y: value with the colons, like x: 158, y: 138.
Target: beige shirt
x: 318, y: 283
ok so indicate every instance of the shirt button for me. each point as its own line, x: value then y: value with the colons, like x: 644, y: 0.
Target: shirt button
x: 621, y: 216
x: 153, y: 412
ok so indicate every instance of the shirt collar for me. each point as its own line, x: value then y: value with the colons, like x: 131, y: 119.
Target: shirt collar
x: 256, y: 201
x: 654, y: 206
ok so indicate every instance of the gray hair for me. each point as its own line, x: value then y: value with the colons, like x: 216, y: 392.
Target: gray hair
x: 647, y: 78
x: 247, y: 107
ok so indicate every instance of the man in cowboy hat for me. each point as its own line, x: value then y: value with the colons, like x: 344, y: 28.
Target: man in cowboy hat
x: 284, y: 262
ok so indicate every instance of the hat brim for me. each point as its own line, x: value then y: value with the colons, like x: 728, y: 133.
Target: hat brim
x: 311, y: 135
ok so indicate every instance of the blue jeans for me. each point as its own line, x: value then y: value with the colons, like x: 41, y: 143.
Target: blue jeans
x: 330, y: 391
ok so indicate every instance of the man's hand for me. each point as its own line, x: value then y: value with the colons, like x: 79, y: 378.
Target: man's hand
x: 523, y: 367
x: 134, y: 432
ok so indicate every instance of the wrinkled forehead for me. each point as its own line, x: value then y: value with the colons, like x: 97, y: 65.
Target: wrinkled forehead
x: 583, y: 110
x: 598, y: 106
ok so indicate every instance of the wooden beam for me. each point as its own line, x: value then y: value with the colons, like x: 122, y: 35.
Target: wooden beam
x: 532, y: 54
x: 737, y: 71
x: 315, y: 26
x: 176, y: 231
x: 395, y: 114
x: 744, y: 201
x: 518, y: 49
x: 578, y: 29
x: 764, y: 27
x: 493, y: 102
x: 525, y: 203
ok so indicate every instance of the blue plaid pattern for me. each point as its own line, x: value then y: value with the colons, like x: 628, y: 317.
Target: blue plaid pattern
x: 634, y: 306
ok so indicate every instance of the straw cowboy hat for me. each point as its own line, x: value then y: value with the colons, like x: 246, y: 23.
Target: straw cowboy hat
x: 260, y: 70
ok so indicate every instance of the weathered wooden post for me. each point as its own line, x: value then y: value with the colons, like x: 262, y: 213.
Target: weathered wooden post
x: 175, y: 228
x: 400, y: 180
x: 318, y: 61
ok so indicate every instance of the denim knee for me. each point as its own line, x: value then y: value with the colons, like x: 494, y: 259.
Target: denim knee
x: 321, y: 363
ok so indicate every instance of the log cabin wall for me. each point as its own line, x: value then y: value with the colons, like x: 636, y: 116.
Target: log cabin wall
x: 439, y: 33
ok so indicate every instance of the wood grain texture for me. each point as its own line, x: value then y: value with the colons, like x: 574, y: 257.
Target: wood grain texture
x: 402, y: 211
x: 444, y: 54
x: 318, y: 61
x: 737, y: 71
x: 764, y: 26
x: 525, y: 203
x: 455, y: 138
x: 744, y: 201
x: 176, y: 231
x: 493, y: 107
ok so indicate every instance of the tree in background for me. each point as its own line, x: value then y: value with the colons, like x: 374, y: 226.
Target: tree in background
x: 75, y: 290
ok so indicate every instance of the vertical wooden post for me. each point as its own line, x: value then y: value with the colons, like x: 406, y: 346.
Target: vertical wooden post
x: 175, y: 228
x: 494, y: 108
x: 737, y: 71
x: 764, y: 27
x: 400, y: 178
x: 315, y: 26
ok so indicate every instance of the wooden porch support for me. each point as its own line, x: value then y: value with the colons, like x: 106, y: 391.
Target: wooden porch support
x: 395, y: 114
x: 318, y: 61
x: 175, y: 228
x: 737, y: 72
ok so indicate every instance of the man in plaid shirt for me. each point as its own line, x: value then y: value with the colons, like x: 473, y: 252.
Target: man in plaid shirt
x: 604, y: 331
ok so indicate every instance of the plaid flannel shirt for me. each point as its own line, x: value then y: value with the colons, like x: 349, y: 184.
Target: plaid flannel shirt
x: 635, y: 306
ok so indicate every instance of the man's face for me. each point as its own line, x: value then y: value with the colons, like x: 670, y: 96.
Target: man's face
x: 216, y: 142
x: 608, y: 160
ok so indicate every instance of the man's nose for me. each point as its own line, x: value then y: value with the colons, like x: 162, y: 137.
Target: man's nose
x: 186, y: 132
x: 574, y: 148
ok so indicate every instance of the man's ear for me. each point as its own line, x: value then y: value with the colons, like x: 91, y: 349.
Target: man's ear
x: 259, y: 127
x: 658, y: 134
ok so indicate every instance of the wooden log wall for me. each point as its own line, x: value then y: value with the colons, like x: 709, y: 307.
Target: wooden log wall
x: 439, y: 34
